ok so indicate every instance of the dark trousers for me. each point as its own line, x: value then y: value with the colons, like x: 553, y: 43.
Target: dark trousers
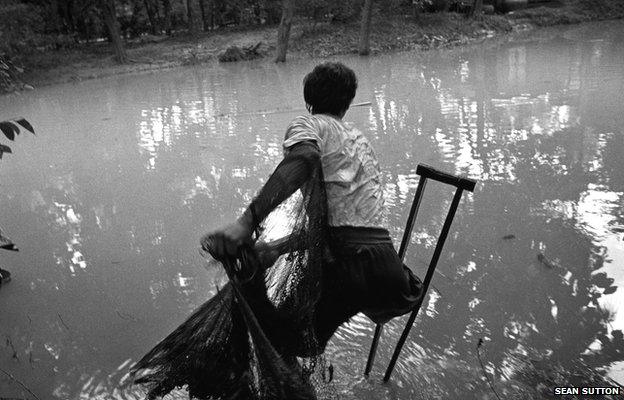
x: 365, y: 275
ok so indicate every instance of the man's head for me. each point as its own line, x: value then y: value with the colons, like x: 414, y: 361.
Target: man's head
x: 329, y: 88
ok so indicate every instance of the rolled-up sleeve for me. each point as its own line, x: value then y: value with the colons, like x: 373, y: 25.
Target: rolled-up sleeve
x: 303, y: 129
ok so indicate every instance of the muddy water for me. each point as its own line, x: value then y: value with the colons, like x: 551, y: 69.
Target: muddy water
x: 108, y: 201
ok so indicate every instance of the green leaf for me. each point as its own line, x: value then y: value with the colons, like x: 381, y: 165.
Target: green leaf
x: 9, y: 129
x: 26, y: 125
x: 6, y: 243
x: 10, y: 246
x: 610, y: 290
x: 4, y: 149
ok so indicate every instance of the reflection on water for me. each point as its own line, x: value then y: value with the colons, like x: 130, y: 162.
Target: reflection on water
x: 107, y: 204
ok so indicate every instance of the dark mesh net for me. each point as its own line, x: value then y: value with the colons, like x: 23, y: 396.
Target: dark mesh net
x: 244, y: 343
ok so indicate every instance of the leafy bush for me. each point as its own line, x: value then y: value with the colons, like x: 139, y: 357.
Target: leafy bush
x: 316, y: 10
x: 11, y: 129
x: 336, y: 11
x: 270, y: 11
x: 20, y: 27
x: 9, y: 76
x: 600, y: 8
x: 546, y: 16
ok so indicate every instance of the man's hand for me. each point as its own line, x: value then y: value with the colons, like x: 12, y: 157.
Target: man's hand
x: 268, y: 253
x: 225, y: 242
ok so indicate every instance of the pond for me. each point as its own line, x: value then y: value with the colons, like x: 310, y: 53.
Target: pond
x: 108, y: 201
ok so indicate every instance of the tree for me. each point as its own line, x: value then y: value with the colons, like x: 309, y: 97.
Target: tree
x: 283, y: 32
x: 367, y: 13
x: 190, y: 12
x: 152, y: 14
x: 202, y: 9
x: 109, y: 13
x: 476, y: 9
x: 167, y: 16
x: 206, y: 14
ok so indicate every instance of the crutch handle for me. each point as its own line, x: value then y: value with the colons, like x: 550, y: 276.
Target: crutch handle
x: 427, y: 171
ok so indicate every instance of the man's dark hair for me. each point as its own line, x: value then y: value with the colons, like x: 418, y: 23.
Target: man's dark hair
x: 329, y: 88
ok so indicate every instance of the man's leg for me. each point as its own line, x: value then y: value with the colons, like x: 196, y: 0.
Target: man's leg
x: 337, y: 304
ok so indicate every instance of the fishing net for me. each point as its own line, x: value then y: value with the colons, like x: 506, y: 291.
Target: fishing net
x: 255, y: 339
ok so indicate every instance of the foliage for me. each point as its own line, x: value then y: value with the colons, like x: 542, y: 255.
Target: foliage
x: 31, y: 25
x: 595, y: 9
x: 9, y: 75
x: 319, y: 10
x: 30, y: 28
x: 546, y: 16
x: 6, y: 244
x: 11, y: 129
x: 398, y: 33
x: 19, y: 28
x: 575, y: 12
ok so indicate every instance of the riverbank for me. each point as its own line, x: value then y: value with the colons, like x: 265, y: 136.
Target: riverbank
x: 399, y: 33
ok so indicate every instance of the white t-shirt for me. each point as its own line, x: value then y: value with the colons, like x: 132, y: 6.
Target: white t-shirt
x: 350, y: 169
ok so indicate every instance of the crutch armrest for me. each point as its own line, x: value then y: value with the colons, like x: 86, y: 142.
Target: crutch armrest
x: 429, y: 172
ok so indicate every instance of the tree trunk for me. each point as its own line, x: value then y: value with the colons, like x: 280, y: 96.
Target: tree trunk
x: 151, y: 15
x: 476, y: 9
x: 416, y: 10
x: 204, y: 15
x: 367, y: 13
x: 210, y: 15
x: 190, y: 13
x: 167, y: 13
x: 70, y: 19
x: 283, y: 32
x: 110, y: 19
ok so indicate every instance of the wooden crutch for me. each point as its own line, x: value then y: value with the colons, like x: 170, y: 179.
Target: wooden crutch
x: 425, y: 172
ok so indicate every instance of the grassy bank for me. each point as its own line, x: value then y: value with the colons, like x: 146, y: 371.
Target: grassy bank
x: 399, y: 33
x: 573, y: 12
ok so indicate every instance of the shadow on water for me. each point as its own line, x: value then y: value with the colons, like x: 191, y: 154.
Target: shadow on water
x: 108, y: 202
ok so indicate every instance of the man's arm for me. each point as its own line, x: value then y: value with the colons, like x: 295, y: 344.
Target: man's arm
x: 294, y: 170
x: 269, y: 252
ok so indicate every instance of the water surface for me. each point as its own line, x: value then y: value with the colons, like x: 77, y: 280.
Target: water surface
x: 108, y: 201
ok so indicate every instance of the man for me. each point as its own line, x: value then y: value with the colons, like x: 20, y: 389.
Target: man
x: 365, y: 273
x: 340, y: 261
